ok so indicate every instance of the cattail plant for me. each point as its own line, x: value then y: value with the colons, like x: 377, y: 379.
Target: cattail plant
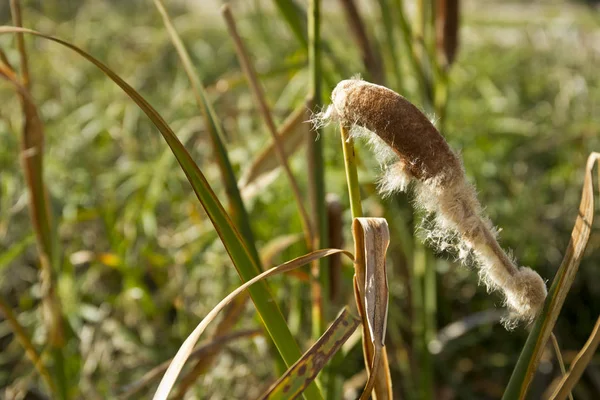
x: 412, y: 151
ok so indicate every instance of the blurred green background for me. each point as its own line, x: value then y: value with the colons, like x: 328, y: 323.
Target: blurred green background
x: 141, y: 262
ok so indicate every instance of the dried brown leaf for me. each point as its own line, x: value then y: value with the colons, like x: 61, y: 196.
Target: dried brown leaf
x: 371, y: 240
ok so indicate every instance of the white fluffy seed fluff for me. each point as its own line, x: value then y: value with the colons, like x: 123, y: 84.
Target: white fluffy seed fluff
x: 412, y: 151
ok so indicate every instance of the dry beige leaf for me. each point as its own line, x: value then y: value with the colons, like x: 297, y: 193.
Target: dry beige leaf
x: 371, y: 240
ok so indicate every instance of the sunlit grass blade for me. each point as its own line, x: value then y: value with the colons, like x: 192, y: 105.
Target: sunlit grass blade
x: 243, y: 261
x: 297, y: 378
x: 186, y: 348
x: 538, y: 337
x: 583, y: 359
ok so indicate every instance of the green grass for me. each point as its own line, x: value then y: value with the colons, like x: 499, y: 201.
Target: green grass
x: 142, y: 263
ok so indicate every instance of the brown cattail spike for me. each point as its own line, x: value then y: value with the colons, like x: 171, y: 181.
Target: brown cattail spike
x: 414, y: 151
x: 447, y: 23
x: 423, y: 151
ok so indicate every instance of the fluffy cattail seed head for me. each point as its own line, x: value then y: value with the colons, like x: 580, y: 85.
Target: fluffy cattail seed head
x: 420, y: 154
x: 399, y: 124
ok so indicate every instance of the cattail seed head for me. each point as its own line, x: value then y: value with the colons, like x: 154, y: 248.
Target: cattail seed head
x: 399, y: 124
x: 414, y: 151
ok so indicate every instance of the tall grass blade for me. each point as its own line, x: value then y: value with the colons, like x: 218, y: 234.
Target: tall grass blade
x: 187, y: 347
x: 306, y: 369
x: 243, y: 261
x: 538, y: 337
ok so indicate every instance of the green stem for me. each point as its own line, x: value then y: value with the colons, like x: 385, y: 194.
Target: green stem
x: 351, y: 174
x: 317, y: 172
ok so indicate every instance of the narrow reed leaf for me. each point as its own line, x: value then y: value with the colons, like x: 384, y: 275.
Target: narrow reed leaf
x: 581, y: 361
x: 371, y: 240
x: 188, y: 345
x: 305, y: 370
x: 538, y: 337
x: 238, y: 252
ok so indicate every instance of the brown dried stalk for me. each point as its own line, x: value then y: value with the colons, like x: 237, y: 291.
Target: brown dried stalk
x: 414, y: 151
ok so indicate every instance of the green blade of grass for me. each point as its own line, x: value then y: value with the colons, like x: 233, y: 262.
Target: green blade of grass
x: 306, y: 369
x: 237, y: 250
x: 538, y: 337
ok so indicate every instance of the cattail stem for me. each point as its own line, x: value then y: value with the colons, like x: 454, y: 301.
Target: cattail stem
x: 351, y: 173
